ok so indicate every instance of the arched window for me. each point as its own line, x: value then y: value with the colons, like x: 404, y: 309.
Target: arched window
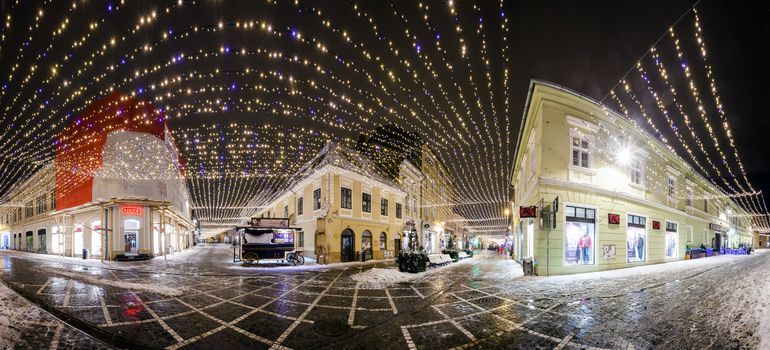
x: 383, y: 241
x: 366, y: 241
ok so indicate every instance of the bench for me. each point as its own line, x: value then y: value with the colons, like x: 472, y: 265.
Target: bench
x: 462, y: 255
x: 438, y: 260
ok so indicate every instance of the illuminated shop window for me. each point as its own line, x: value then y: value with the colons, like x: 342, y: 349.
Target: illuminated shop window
x: 579, y: 236
x: 636, y: 238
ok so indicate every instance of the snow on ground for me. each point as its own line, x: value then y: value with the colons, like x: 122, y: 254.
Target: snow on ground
x: 90, y: 278
x: 763, y: 314
x: 377, y: 278
x: 24, y: 325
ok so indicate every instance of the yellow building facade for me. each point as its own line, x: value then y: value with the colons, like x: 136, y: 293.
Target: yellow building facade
x: 624, y: 199
x: 343, y: 207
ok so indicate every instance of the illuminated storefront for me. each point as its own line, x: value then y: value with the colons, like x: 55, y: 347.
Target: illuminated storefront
x: 114, y: 179
x: 579, y: 235
x: 628, y: 197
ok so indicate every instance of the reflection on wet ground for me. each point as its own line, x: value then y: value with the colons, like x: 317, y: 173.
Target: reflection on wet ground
x: 474, y: 304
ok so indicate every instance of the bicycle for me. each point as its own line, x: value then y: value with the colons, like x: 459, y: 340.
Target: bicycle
x: 295, y: 258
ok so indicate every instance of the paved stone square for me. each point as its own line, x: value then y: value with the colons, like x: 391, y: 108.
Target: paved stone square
x: 482, y: 302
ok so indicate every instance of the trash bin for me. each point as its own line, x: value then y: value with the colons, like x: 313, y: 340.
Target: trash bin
x: 85, y: 254
x: 527, y: 265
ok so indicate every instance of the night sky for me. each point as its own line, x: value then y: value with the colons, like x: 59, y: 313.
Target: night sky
x: 320, y: 81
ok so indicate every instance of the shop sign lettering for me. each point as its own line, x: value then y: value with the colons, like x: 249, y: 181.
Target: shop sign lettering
x: 655, y: 225
x: 613, y: 219
x: 132, y: 210
x: 528, y: 212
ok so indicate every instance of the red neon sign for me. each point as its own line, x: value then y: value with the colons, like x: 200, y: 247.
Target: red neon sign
x: 132, y: 210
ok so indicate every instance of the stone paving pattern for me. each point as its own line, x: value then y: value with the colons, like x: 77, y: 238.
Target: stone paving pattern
x: 476, y: 304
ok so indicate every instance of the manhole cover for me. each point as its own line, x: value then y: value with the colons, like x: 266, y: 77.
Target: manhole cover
x: 489, y: 301
x: 331, y: 328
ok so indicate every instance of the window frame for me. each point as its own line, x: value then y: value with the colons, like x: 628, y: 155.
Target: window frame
x: 346, y: 199
x: 573, y: 215
x: 384, y: 206
x: 399, y: 211
x: 300, y: 203
x: 583, y: 149
x: 671, y: 186
x: 366, y: 202
x: 636, y: 171
x: 317, y: 199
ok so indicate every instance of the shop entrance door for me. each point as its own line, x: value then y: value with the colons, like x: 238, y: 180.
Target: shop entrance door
x: 41, y: 246
x: 29, y: 241
x: 717, y: 241
x: 396, y: 246
x: 346, y: 253
x: 130, y: 242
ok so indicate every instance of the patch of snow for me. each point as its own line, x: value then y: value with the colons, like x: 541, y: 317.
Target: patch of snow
x: 377, y: 278
x: 167, y: 291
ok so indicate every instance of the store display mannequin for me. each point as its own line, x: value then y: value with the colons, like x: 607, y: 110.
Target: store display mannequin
x: 584, y: 245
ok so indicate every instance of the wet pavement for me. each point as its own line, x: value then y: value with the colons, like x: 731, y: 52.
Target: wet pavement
x: 478, y: 303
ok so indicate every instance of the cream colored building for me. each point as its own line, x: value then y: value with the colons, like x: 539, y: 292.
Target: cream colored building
x: 343, y: 206
x: 439, y: 219
x: 601, y: 166
x: 138, y: 207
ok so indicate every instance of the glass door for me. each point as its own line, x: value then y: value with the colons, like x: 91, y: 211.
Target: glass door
x: 347, y: 246
x: 130, y: 247
x: 131, y: 235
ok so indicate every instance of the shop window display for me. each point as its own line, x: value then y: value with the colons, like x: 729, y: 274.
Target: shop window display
x: 96, y: 242
x: 579, y: 236
x: 672, y: 237
x: 366, y: 242
x: 636, y: 240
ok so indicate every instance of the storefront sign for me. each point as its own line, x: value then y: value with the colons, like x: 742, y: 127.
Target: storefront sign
x: 716, y: 227
x: 613, y: 219
x: 528, y: 212
x: 132, y: 210
x: 269, y: 222
x: 655, y: 225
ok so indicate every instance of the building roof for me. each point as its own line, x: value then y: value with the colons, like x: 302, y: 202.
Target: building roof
x: 335, y: 154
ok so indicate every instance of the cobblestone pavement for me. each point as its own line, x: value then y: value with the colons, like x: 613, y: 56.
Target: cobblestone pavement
x: 26, y: 326
x: 473, y: 304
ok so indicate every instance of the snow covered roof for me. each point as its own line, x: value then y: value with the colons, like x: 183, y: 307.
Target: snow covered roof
x: 335, y: 154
